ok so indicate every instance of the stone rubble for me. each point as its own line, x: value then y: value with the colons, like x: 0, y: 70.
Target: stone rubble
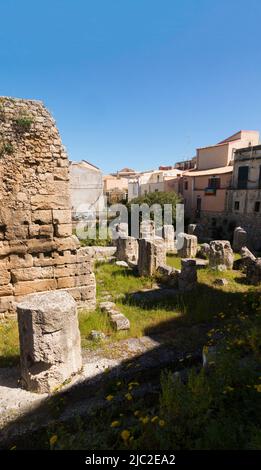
x: 117, y: 319
x: 221, y: 255
x: 247, y: 258
x: 203, y: 251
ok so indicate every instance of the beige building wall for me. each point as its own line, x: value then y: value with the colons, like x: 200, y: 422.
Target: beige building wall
x: 194, y: 188
x: 222, y: 154
x: 113, y: 182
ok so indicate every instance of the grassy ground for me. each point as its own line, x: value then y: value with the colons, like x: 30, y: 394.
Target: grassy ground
x: 146, y: 317
x: 215, y: 408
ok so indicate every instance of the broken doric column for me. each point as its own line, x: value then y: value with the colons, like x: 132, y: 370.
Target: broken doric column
x: 221, y: 255
x: 50, y: 344
x: 187, y: 279
x: 187, y: 245
x: 147, y: 229
x: 168, y: 234
x: 37, y: 249
x: 151, y: 255
x: 239, y: 239
x: 127, y: 250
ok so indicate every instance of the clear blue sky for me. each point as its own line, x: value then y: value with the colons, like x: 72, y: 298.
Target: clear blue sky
x: 136, y: 83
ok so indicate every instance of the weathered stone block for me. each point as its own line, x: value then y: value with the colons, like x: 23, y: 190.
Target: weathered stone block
x: 203, y: 251
x: 151, y: 255
x: 30, y: 274
x: 5, y: 277
x: 41, y: 201
x: 63, y: 216
x: 119, y: 321
x: 247, y: 258
x: 147, y: 229
x: 187, y: 245
x: 221, y: 254
x: 127, y: 249
x: 168, y: 234
x: 38, y: 285
x: 188, y: 277
x: 63, y: 230
x: 121, y: 230
x: 239, y: 239
x: 50, y: 347
x: 254, y: 272
x: 42, y: 217
x: 44, y: 231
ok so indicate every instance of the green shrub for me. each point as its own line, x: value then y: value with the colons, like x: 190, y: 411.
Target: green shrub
x: 6, y: 149
x: 23, y: 123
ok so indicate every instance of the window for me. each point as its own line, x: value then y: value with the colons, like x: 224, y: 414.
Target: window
x: 156, y: 190
x: 158, y: 178
x: 236, y: 206
x: 186, y: 185
x: 242, y: 177
x: 214, y: 183
x: 259, y: 181
x: 257, y: 206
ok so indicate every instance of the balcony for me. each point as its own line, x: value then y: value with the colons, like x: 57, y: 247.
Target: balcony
x: 210, y: 191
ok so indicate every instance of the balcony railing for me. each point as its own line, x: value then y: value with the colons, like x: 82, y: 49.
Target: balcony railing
x: 210, y: 191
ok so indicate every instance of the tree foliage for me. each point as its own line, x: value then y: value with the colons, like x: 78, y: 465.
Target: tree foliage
x: 160, y: 198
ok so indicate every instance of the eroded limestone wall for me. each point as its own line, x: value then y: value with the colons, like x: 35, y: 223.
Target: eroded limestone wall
x: 37, y: 249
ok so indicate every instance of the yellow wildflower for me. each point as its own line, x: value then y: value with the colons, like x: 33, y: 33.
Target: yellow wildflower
x: 144, y: 420
x: 53, y: 439
x: 128, y: 396
x: 136, y: 413
x: 154, y: 419
x: 161, y: 423
x: 115, y: 424
x: 109, y: 397
x: 125, y: 435
x: 258, y: 388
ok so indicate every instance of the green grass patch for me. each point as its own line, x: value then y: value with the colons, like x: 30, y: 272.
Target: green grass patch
x: 9, y: 343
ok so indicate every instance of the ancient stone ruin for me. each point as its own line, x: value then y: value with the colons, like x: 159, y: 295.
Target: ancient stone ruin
x: 254, y: 272
x: 152, y: 254
x: 127, y: 250
x: 187, y: 279
x: 121, y: 230
x: 50, y: 344
x: 37, y: 249
x: 187, y: 245
x: 117, y: 319
x: 147, y: 229
x: 168, y: 234
x: 221, y: 255
x: 239, y: 239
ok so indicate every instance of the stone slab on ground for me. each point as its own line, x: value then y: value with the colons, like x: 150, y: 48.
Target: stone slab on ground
x: 117, y: 319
